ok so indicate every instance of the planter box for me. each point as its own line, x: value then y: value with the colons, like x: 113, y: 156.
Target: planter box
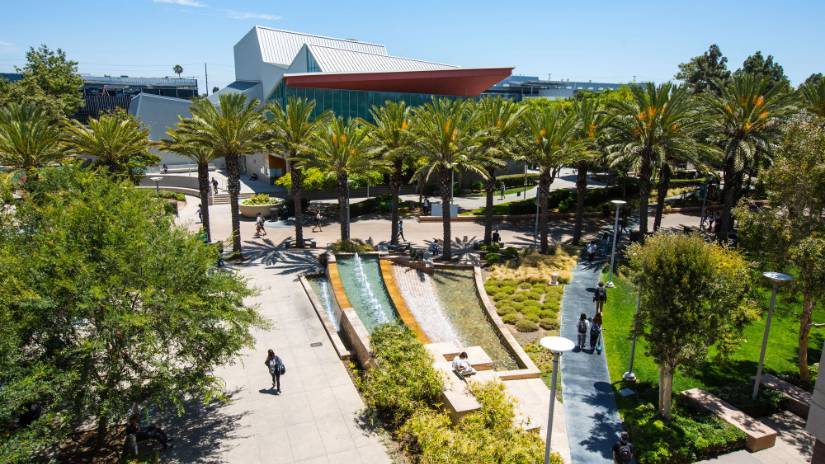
x: 251, y: 211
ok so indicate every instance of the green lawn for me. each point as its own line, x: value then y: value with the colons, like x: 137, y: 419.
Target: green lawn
x: 733, y: 378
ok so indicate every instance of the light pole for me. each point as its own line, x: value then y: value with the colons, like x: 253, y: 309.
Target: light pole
x: 629, y: 376
x: 557, y: 346
x: 536, y: 227
x: 776, y: 279
x: 156, y: 180
x: 704, y: 191
x: 618, y: 204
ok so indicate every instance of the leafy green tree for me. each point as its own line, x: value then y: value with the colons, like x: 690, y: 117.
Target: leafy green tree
x: 446, y: 139
x: 591, y: 121
x: 790, y: 233
x: 232, y: 129
x: 550, y: 143
x: 50, y: 81
x: 702, y: 72
x: 813, y: 95
x: 177, y: 69
x: 642, y: 130
x: 499, y: 121
x: 179, y: 142
x: 106, y: 305
x: 693, y: 296
x: 341, y: 149
x: 116, y: 140
x: 289, y: 132
x: 764, y: 68
x: 391, y: 137
x: 29, y: 139
x: 746, y: 118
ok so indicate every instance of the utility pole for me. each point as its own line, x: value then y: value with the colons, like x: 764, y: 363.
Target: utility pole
x: 206, y: 79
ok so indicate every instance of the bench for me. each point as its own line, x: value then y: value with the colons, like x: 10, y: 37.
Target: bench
x: 456, y: 394
x: 799, y: 400
x: 759, y: 435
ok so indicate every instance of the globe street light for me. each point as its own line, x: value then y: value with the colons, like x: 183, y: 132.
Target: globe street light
x: 618, y: 204
x: 776, y: 279
x: 156, y: 180
x: 557, y: 346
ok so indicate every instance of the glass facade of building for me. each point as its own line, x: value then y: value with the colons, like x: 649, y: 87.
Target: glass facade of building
x: 348, y: 103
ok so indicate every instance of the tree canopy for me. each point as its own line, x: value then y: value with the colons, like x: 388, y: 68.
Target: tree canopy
x: 702, y: 72
x: 764, y: 67
x: 50, y: 80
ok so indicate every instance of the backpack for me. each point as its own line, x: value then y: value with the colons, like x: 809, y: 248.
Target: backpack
x: 625, y: 454
x: 279, y: 366
x: 601, y: 294
x: 582, y: 326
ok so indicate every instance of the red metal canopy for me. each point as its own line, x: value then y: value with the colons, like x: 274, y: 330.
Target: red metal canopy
x: 460, y: 82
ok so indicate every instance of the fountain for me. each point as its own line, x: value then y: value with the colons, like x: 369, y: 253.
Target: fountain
x: 326, y: 300
x: 418, y: 291
x: 365, y: 289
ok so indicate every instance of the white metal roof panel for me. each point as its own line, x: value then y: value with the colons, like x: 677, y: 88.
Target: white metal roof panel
x: 336, y: 60
x: 280, y: 47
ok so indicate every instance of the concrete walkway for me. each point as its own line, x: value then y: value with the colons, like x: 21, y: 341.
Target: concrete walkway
x: 593, y: 422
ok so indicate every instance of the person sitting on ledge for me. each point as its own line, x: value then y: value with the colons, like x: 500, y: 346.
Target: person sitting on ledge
x: 461, y: 366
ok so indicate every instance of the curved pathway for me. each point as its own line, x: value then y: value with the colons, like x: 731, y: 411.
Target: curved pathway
x: 593, y: 422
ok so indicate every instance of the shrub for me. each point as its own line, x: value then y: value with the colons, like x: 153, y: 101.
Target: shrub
x: 548, y: 323
x: 261, y: 199
x: 520, y: 297
x: 492, y: 258
x: 526, y: 325
x: 403, y: 379
x: 350, y: 246
x: 511, y: 318
x: 168, y: 195
x: 503, y: 310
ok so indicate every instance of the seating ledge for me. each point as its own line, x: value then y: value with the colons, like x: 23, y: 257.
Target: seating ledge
x: 759, y: 435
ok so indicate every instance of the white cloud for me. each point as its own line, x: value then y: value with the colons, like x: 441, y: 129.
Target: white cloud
x: 7, y: 47
x: 192, y: 3
x: 232, y: 14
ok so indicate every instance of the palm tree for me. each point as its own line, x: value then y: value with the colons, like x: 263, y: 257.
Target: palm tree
x: 289, y: 133
x: 29, y: 138
x: 498, y: 120
x: 178, y: 69
x: 550, y: 143
x: 116, y: 140
x: 392, y: 139
x: 640, y: 130
x: 813, y: 97
x: 179, y: 142
x: 591, y: 120
x: 747, y: 115
x: 445, y: 138
x: 342, y: 149
x: 229, y: 130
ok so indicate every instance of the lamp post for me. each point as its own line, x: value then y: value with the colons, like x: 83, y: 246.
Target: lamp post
x: 629, y: 376
x: 536, y: 226
x: 618, y: 204
x: 557, y: 346
x: 156, y: 180
x: 776, y: 279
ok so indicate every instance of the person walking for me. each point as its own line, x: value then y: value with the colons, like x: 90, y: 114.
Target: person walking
x: 591, y: 251
x: 600, y: 296
x: 582, y: 328
x: 503, y: 190
x: 200, y: 214
x: 259, y: 225
x: 316, y: 227
x: 425, y: 206
x: 623, y: 450
x: 496, y: 237
x: 215, y: 185
x: 276, y: 370
x: 401, y: 229
x: 596, y: 333
x: 135, y: 433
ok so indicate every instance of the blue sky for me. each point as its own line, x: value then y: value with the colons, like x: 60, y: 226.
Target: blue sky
x: 596, y: 40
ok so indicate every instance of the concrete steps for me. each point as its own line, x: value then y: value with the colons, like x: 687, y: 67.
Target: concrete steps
x: 223, y: 198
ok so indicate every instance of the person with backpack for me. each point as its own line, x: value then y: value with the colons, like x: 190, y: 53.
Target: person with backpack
x: 600, y: 296
x: 596, y: 333
x: 590, y: 249
x: 276, y: 370
x: 623, y: 450
x: 582, y: 329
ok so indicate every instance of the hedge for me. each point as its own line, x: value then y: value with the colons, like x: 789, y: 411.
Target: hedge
x: 565, y: 200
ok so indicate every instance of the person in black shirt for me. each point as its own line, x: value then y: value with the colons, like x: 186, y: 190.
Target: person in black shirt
x: 623, y: 450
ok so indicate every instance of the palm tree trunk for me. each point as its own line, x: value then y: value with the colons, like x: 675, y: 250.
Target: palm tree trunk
x: 644, y: 192
x: 446, y: 193
x: 234, y: 187
x: 581, y: 192
x: 343, y: 206
x: 545, y: 179
x: 664, y: 184
x: 490, y: 189
x: 297, y: 179
x: 203, y: 186
x: 395, y: 186
x: 804, y: 333
x: 731, y: 179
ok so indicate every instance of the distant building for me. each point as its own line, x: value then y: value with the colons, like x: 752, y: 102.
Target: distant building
x: 522, y: 87
x: 105, y: 93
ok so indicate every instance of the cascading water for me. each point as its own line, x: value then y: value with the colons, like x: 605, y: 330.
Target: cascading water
x: 419, y: 292
x: 367, y: 295
x: 326, y: 300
